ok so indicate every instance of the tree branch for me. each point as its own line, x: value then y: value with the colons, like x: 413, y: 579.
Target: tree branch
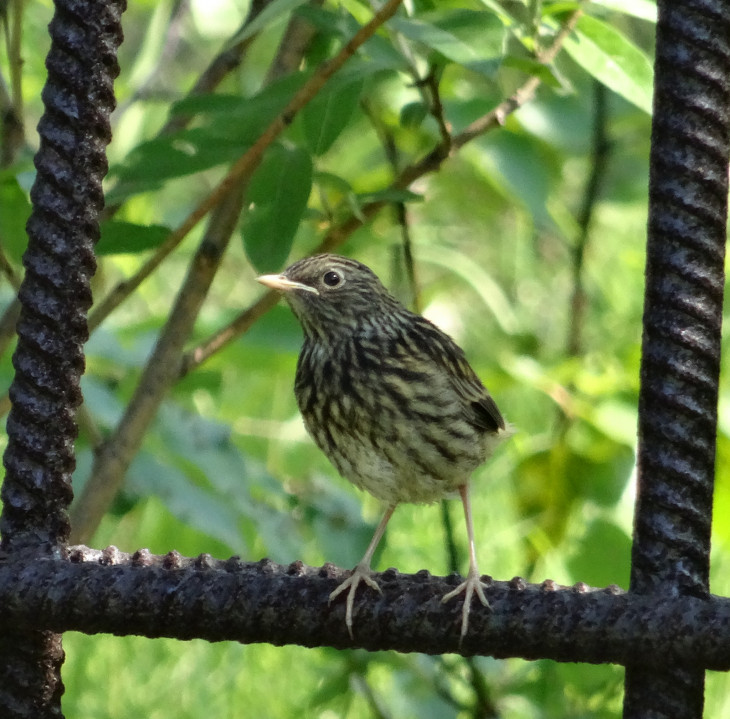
x: 598, y: 164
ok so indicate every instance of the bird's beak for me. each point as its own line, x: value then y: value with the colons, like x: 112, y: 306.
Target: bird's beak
x: 284, y: 284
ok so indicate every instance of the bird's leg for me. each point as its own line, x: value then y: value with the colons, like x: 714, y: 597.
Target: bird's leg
x: 472, y: 584
x: 362, y: 572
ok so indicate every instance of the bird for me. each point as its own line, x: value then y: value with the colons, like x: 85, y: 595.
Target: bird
x: 390, y: 399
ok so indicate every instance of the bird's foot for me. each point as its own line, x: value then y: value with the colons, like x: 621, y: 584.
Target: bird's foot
x: 361, y: 573
x: 470, y: 587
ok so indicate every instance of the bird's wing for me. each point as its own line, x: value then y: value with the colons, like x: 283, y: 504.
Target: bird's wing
x: 481, y: 409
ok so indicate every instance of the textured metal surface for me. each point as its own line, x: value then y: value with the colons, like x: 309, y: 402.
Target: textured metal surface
x: 55, y: 295
x: 184, y: 598
x: 682, y: 322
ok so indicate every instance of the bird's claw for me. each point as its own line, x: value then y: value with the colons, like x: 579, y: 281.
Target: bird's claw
x: 472, y: 585
x: 359, y: 574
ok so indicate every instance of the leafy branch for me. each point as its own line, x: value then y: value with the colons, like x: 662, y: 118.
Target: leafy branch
x: 339, y: 232
x: 243, y: 168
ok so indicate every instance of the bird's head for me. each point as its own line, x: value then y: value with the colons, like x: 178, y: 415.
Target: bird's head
x: 330, y: 294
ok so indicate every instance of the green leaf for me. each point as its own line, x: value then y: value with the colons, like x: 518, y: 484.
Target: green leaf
x: 152, y: 163
x: 413, y: 114
x: 241, y: 118
x: 391, y: 194
x: 14, y: 213
x: 278, y: 195
x: 525, y: 168
x: 329, y: 22
x: 613, y: 59
x: 119, y: 237
x: 210, y: 104
x: 327, y: 115
x: 467, y: 37
x: 334, y: 188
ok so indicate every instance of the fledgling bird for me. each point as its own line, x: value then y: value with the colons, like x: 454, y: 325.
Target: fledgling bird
x: 389, y: 398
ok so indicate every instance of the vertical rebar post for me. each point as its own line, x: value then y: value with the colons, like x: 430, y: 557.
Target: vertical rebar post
x: 680, y: 366
x: 55, y: 296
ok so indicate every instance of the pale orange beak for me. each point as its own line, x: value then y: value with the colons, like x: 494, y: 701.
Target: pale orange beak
x: 284, y: 284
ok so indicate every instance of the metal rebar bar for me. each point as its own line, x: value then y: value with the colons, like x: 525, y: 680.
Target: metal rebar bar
x: 682, y: 321
x: 55, y: 296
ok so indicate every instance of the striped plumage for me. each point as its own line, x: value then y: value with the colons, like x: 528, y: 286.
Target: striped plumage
x: 388, y: 397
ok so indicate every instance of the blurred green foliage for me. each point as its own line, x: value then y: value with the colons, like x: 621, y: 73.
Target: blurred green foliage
x: 537, y: 276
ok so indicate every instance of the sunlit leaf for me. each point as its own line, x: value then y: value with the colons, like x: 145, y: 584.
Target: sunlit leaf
x: 335, y: 182
x: 643, y: 9
x: 613, y: 59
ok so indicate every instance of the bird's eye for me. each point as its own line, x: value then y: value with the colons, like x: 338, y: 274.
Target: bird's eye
x: 332, y: 278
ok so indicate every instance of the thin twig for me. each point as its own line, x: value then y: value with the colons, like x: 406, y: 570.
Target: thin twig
x: 484, y: 706
x: 87, y: 425
x: 599, y: 154
x: 390, y: 150
x: 431, y: 81
x: 11, y: 98
x: 293, y: 45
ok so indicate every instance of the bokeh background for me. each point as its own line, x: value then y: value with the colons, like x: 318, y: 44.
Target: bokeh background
x: 527, y: 246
